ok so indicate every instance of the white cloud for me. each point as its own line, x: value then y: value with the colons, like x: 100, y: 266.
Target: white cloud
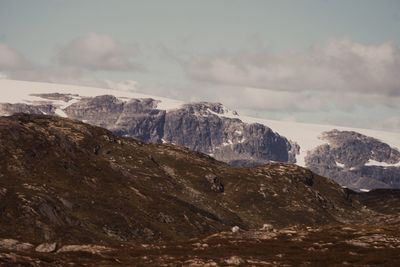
x: 335, y: 80
x: 77, y: 62
x: 94, y: 51
x: 10, y: 59
x: 339, y: 65
x: 54, y: 74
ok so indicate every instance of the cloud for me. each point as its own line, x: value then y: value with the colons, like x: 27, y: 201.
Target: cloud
x: 97, y: 52
x: 11, y: 59
x: 14, y: 65
x: 340, y: 82
x: 338, y: 65
x: 77, y: 62
x: 55, y: 74
x: 391, y: 123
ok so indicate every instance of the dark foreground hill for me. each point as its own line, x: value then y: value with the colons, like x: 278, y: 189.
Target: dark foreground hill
x: 71, y: 192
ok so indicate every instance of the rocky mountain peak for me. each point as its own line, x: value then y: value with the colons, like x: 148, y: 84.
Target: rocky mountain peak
x: 356, y: 160
x: 208, y: 108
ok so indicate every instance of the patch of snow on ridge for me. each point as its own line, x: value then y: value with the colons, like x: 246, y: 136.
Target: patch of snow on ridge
x: 227, y: 113
x: 372, y: 162
x: 341, y: 165
x: 61, y: 113
x: 228, y: 143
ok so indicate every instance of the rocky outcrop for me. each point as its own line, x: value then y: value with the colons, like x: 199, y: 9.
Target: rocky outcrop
x: 46, y: 247
x: 9, y: 109
x: 12, y: 244
x: 347, y: 158
x: 137, y: 118
x: 215, y: 182
x: 203, y: 127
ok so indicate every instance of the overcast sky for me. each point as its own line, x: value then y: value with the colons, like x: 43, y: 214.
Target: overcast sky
x: 335, y: 62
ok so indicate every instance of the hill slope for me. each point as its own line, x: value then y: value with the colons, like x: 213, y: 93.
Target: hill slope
x: 62, y: 179
x: 95, y: 198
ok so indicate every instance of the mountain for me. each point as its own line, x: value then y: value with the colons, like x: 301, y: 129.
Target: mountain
x: 95, y: 198
x: 59, y: 174
x: 222, y: 133
x: 356, y: 160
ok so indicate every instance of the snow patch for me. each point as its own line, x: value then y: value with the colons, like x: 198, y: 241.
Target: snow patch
x: 228, y: 143
x: 341, y: 165
x: 59, y: 112
x: 227, y: 113
x: 372, y: 162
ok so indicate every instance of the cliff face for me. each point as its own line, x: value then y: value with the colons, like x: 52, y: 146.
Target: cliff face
x: 203, y: 127
x: 137, y: 118
x: 356, y: 161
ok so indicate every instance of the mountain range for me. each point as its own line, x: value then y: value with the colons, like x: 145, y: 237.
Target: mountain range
x: 360, y: 159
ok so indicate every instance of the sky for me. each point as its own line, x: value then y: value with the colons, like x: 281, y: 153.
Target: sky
x: 319, y: 61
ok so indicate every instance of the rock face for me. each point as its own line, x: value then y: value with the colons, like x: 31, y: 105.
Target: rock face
x: 9, y: 109
x: 137, y: 118
x: 216, y: 183
x: 356, y: 161
x: 46, y: 247
x: 12, y: 244
x: 203, y: 127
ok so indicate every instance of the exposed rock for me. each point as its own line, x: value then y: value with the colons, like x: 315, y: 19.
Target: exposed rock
x: 93, y: 249
x: 9, y: 109
x: 267, y: 227
x: 165, y: 218
x: 12, y: 244
x: 46, y: 247
x: 216, y: 184
x: 234, y: 260
x: 345, y: 158
x: 235, y: 229
x: 202, y: 127
x: 56, y: 96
